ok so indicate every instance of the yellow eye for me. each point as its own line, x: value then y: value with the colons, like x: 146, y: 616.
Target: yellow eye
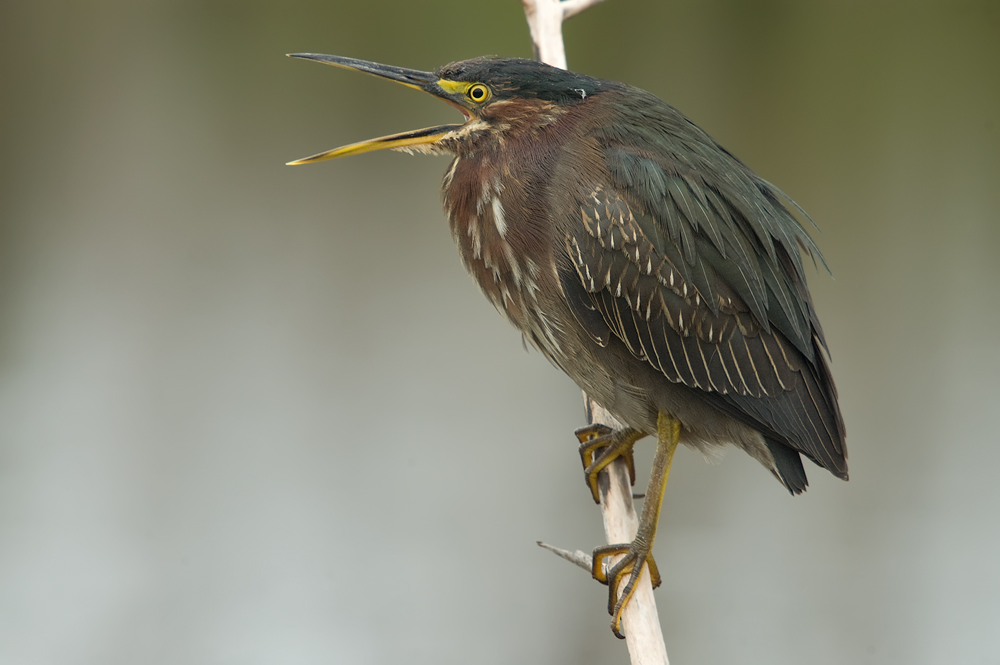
x: 478, y: 93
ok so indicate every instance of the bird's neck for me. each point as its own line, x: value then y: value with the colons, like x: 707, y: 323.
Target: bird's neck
x: 504, y: 125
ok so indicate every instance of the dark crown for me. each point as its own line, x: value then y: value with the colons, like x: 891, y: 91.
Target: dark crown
x: 517, y: 77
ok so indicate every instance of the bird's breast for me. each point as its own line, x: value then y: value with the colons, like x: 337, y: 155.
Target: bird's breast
x: 486, y: 207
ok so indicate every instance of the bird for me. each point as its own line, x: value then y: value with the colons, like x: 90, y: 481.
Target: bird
x: 641, y: 258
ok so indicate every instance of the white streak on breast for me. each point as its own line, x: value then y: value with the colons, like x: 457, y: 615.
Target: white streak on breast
x: 498, y: 217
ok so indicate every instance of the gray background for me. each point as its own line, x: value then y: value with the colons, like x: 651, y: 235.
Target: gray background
x: 259, y: 414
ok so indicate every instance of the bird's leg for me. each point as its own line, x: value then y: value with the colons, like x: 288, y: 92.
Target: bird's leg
x: 615, y: 444
x: 638, y: 552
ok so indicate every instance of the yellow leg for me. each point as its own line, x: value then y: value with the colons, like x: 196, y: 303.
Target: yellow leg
x: 637, y: 553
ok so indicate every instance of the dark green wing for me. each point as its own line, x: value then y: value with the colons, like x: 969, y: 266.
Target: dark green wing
x: 713, y: 300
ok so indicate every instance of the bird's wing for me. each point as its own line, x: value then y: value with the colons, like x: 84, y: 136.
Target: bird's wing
x: 713, y: 319
x: 724, y: 218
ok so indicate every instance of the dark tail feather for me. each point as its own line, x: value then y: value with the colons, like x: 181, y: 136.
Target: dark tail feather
x: 788, y: 466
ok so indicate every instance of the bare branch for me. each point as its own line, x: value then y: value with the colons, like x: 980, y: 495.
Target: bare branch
x: 640, y: 621
x: 574, y: 7
x: 579, y: 557
x: 545, y: 23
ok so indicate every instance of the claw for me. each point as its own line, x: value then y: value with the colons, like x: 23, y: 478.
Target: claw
x: 615, y: 444
x: 606, y: 551
x: 626, y: 596
x: 586, y: 436
x: 635, y: 557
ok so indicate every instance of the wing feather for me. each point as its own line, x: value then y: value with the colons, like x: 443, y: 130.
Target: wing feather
x: 699, y: 322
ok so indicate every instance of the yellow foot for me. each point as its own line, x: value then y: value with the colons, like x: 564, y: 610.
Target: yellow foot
x: 612, y: 444
x: 636, y: 556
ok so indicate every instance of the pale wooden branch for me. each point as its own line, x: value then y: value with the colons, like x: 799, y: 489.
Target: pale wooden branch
x: 545, y: 19
x: 579, y: 557
x: 574, y: 7
x: 640, y: 621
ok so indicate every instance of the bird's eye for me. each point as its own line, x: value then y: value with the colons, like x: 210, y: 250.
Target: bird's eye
x: 478, y: 93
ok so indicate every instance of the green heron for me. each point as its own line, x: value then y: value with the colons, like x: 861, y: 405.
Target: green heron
x: 641, y: 258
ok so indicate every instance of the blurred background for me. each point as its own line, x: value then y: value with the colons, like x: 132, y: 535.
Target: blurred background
x: 259, y: 414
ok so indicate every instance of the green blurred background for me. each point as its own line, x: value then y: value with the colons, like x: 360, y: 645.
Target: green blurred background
x: 259, y: 414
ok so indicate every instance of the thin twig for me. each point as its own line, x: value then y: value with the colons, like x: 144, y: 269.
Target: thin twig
x: 579, y: 557
x: 574, y: 7
x: 640, y: 621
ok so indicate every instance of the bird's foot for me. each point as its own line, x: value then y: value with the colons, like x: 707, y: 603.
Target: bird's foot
x: 600, y: 446
x: 636, y: 556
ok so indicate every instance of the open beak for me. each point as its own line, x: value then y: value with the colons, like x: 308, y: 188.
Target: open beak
x: 409, y: 77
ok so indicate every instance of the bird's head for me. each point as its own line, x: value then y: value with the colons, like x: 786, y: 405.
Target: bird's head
x: 498, y: 96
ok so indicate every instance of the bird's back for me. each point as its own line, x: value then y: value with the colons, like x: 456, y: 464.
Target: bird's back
x: 692, y: 262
